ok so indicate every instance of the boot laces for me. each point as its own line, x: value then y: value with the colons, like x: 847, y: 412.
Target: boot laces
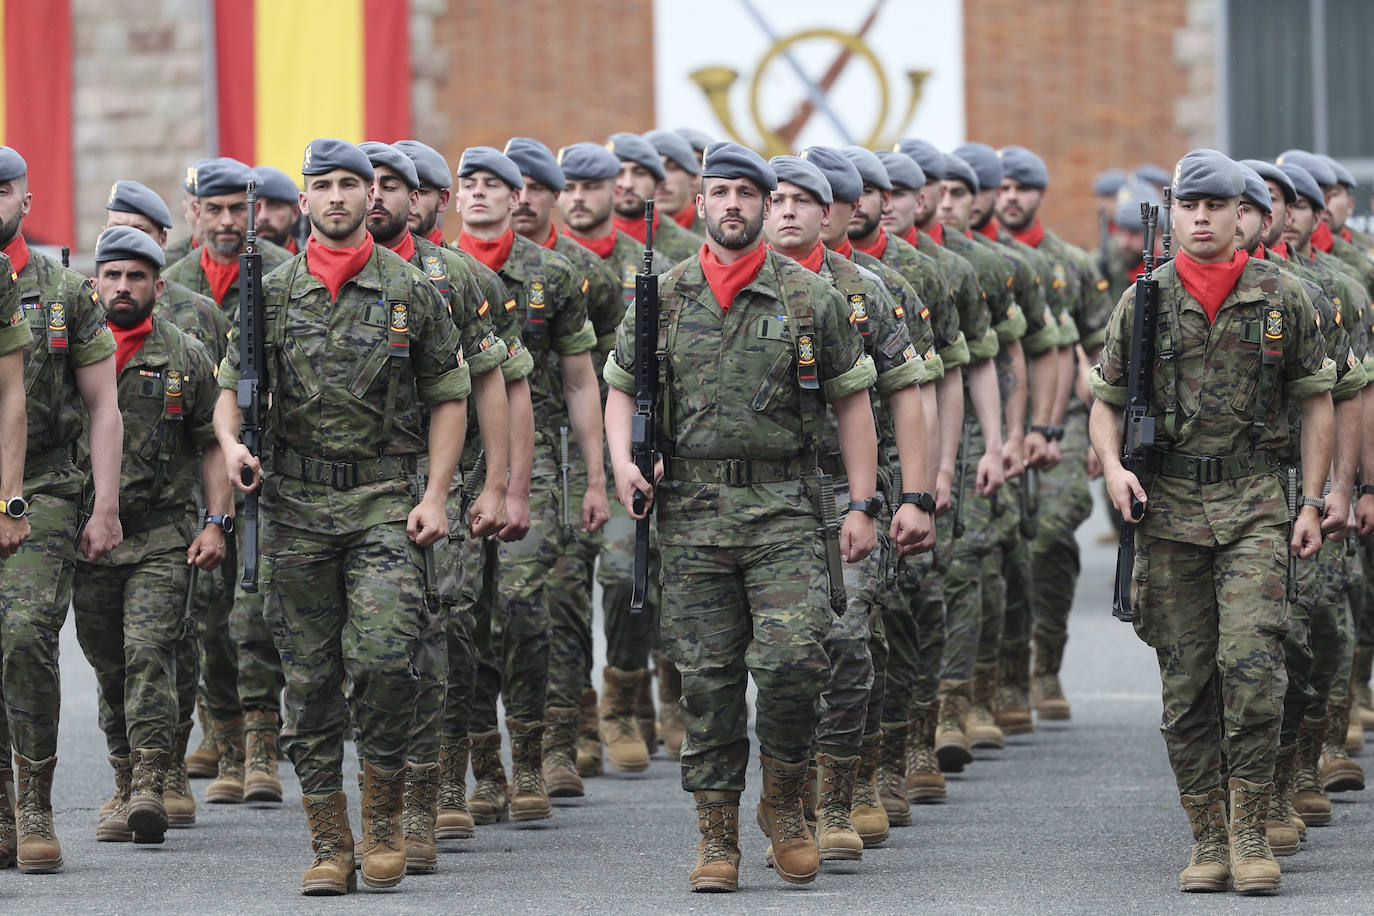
x: 1248, y: 828
x: 325, y: 830
x: 715, y: 834
x: 1211, y: 844
x: 422, y: 795
x: 787, y: 808
x: 453, y: 780
x: 837, y: 795
x: 864, y: 796
x: 381, y: 820
x: 491, y: 776
x: 262, y: 755
x: 176, y: 780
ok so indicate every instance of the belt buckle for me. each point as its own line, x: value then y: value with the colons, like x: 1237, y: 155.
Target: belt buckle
x: 342, y: 476
x: 735, y: 473
x: 1207, y: 469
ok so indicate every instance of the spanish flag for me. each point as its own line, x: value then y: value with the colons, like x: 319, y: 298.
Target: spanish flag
x: 289, y: 71
x: 36, y: 110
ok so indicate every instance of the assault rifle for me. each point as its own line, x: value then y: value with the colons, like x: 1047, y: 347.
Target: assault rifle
x: 251, y: 346
x: 645, y: 421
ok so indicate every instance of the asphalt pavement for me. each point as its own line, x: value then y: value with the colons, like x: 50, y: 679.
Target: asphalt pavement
x: 1078, y: 817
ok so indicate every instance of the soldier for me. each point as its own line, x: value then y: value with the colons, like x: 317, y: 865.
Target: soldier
x: 14, y: 337
x: 1334, y: 212
x: 1212, y: 548
x: 677, y: 192
x: 746, y: 581
x: 373, y: 371
x: 178, y: 250
x: 1125, y: 256
x: 129, y: 607
x: 436, y: 181
x: 68, y: 365
x: 641, y: 169
x: 699, y: 139
x: 279, y: 208
x: 564, y: 393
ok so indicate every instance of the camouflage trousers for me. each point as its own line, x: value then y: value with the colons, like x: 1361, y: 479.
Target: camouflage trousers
x: 732, y: 612
x: 1011, y: 616
x: 128, y: 613
x: 345, y: 606
x: 1065, y: 503
x: 569, y: 596
x: 1331, y: 625
x: 914, y: 623
x: 964, y: 581
x: 260, y: 679
x: 1216, y: 618
x: 1363, y: 606
x: 1301, y: 698
x: 630, y: 638
x: 219, y: 657
x: 432, y: 663
x: 473, y: 655
x: 35, y: 592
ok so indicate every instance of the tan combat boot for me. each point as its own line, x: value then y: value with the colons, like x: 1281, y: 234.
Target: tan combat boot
x: 670, y: 727
x: 1013, y: 689
x: 560, y: 753
x: 113, y: 826
x: 1280, y: 829
x: 792, y: 848
x: 1363, y: 712
x: 1209, y: 868
x: 203, y: 762
x: 8, y: 839
x: 1336, y: 770
x: 331, y: 839
x: 717, y: 867
x: 383, y: 804
x: 590, y: 758
x: 619, y: 729
x: 454, y: 821
x: 951, y: 742
x: 529, y: 800
x: 227, y: 789
x: 982, y: 719
x: 176, y: 791
x: 1308, y: 796
x: 646, y: 716
x: 837, y: 837
x: 925, y: 784
x: 147, y: 816
x: 490, y: 801
x: 867, y: 813
x: 892, y: 774
x: 1045, y: 687
x: 37, y: 850
x: 1253, y: 869
x: 260, y: 782
x: 421, y: 811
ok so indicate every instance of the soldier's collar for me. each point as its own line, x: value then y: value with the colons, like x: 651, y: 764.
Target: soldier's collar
x: 154, y: 351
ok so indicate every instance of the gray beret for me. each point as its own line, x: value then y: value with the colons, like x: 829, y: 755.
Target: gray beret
x: 274, y: 184
x: 1305, y: 184
x: 490, y: 159
x: 222, y: 175
x: 871, y: 168
x: 699, y: 139
x: 1207, y: 173
x: 730, y: 160
x: 630, y: 147
x: 125, y: 243
x: 1342, y: 173
x: 985, y: 163
x: 1132, y: 193
x: 803, y: 174
x: 132, y: 197
x: 930, y: 159
x: 188, y: 182
x: 1267, y: 171
x: 588, y: 162
x: 1152, y: 174
x: 1311, y: 163
x: 1256, y: 191
x: 957, y: 169
x: 535, y: 160
x: 901, y: 170
x: 389, y: 156
x: 1110, y: 181
x: 1024, y: 167
x: 326, y: 154
x: 12, y: 165
x: 430, y: 164
x: 846, y: 184
x: 675, y: 147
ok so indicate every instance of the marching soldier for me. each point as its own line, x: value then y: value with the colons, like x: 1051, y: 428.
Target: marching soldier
x: 279, y: 208
x: 677, y: 192
x: 641, y: 169
x: 180, y: 249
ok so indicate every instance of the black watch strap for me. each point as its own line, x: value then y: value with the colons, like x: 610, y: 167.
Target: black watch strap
x: 1367, y: 489
x: 1046, y: 431
x: 921, y: 500
x: 870, y: 507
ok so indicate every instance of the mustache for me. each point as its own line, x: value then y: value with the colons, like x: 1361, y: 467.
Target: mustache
x: 523, y: 211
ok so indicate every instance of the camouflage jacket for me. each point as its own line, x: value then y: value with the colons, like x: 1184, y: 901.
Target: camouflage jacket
x: 1344, y: 322
x: 910, y: 309
x: 602, y: 288
x: 923, y: 273
x: 179, y: 249
x: 196, y: 315
x: 191, y: 275
x: 483, y: 348
x: 14, y: 330
x: 975, y: 319
x: 1356, y: 260
x: 1087, y: 302
x: 1042, y: 331
x: 995, y: 278
x: 1053, y: 285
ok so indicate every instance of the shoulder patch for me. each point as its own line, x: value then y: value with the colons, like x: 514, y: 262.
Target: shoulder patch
x: 509, y: 304
x: 1273, y: 325
x: 1102, y: 286
x: 584, y: 285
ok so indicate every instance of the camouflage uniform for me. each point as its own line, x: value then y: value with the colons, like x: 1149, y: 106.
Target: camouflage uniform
x: 745, y: 586
x: 344, y: 584
x: 36, y: 582
x: 1211, y: 557
x: 128, y: 607
x: 187, y: 272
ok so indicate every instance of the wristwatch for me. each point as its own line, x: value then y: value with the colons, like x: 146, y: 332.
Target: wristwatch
x: 16, y: 507
x: 1049, y: 432
x: 870, y: 507
x: 224, y: 521
x: 1367, y: 489
x: 1316, y: 502
x: 922, y: 500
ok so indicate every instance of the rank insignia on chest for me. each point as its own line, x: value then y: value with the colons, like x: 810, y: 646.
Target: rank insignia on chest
x: 400, y: 319
x: 858, y: 313
x: 172, y: 393
x: 1273, y: 325
x: 537, y: 295
x: 398, y: 334
x: 627, y: 276
x: 806, y: 350
x: 434, y: 268
x: 57, y: 326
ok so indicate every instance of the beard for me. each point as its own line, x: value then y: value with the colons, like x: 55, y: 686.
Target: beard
x: 865, y: 229
x: 127, y: 312
x: 738, y: 238
x: 630, y: 208
x: 226, y: 243
x: 341, y: 230
x: 275, y: 237
x: 9, y: 229
x: 582, y: 218
x: 386, y: 226
x: 425, y: 222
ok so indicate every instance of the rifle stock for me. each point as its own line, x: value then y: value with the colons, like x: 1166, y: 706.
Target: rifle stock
x: 644, y: 422
x: 251, y: 346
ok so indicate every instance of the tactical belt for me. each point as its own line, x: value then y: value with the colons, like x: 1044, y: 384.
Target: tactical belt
x: 734, y: 472
x: 56, y: 461
x: 1210, y: 469
x: 343, y: 475
x: 147, y: 521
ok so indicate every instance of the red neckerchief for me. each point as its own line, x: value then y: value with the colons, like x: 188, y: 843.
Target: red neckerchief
x: 726, y: 280
x: 812, y: 261
x: 1032, y: 236
x: 553, y: 236
x: 1321, y: 237
x: 912, y: 237
x: 601, y: 247
x: 634, y: 228
x: 937, y: 233
x: 1259, y: 253
x: 1346, y: 234
x: 129, y: 341
x: 219, y: 276
x: 291, y: 245
x: 684, y: 217
x: 1210, y: 284
x: 1280, y: 248
x: 493, y: 252
x: 845, y: 249
x: 989, y: 229
x: 18, y: 252
x: 405, y: 246
x: 336, y: 266
x: 877, y: 248
x: 436, y: 235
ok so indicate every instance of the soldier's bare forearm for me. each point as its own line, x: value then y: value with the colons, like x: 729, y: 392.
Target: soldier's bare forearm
x: 951, y: 393
x: 521, y: 411
x: 930, y: 408
x: 1063, y: 387
x: 1015, y: 408
x: 228, y: 419
x: 858, y: 443
x: 96, y: 383
x: 219, y: 492
x: 584, y: 413
x: 14, y: 421
x: 1346, y: 459
x: 1104, y: 432
x: 1318, y: 433
x: 1366, y: 400
x: 493, y: 420
x: 908, y: 419
x: 987, y: 403
x: 448, y: 423
x: 1043, y: 375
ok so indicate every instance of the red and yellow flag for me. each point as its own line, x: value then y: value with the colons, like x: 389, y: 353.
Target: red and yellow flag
x: 289, y: 71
